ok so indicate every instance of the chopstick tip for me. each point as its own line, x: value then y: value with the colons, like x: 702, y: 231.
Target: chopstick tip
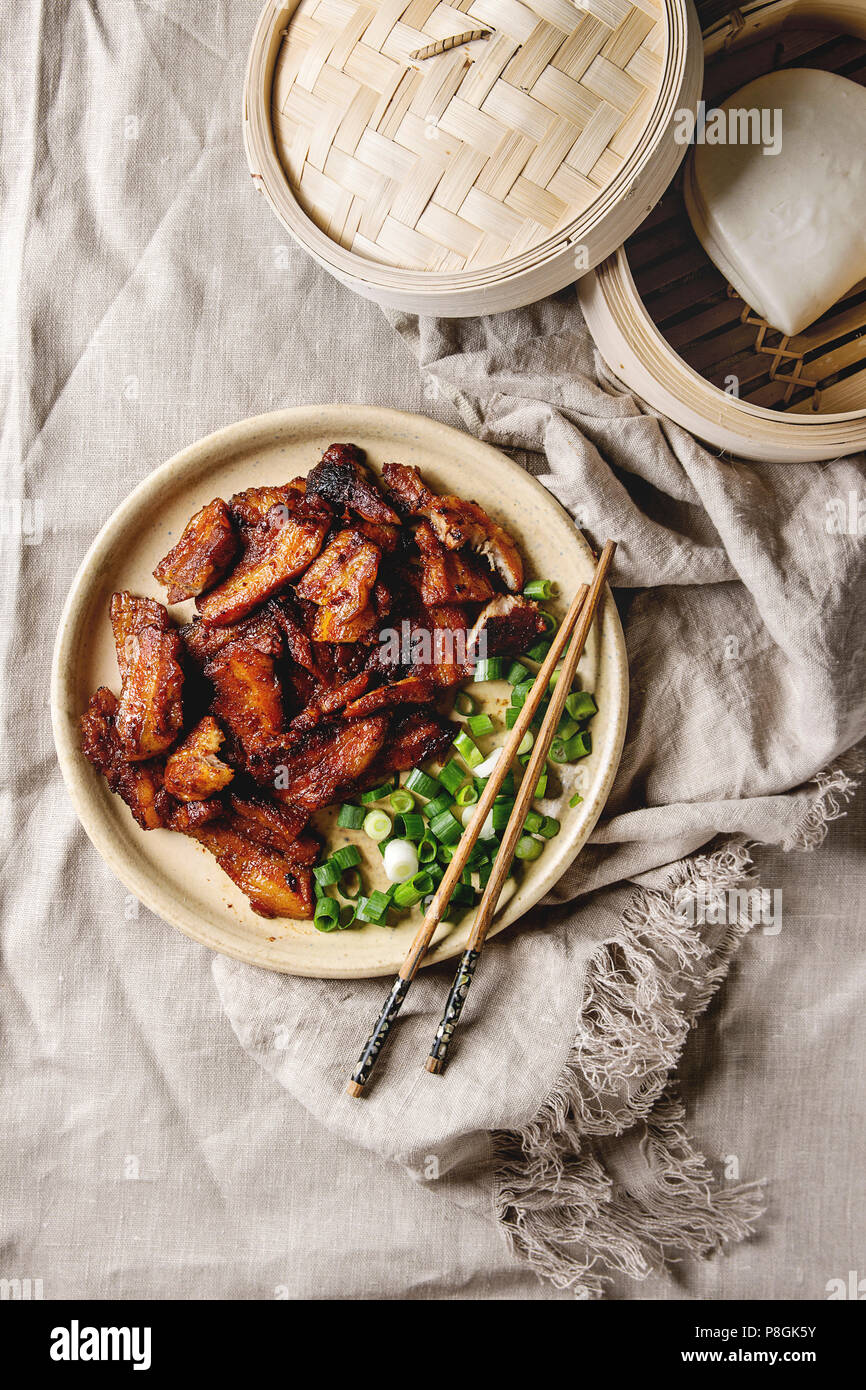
x: 354, y: 1088
x: 436, y: 1065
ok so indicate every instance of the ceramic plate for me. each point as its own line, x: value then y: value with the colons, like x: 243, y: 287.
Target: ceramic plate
x: 174, y: 876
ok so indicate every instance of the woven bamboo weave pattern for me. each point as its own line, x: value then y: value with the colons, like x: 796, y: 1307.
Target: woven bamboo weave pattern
x: 473, y: 156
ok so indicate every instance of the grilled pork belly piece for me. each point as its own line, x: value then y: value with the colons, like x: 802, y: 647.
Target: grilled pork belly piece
x: 249, y: 508
x: 413, y: 737
x: 194, y: 772
x: 411, y: 691
x: 138, y: 784
x: 343, y: 575
x: 278, y: 550
x: 342, y: 478
x: 446, y: 576
x: 506, y: 626
x: 130, y: 615
x: 328, y: 759
x: 457, y: 523
x: 275, y: 826
x: 201, y: 557
x: 328, y: 701
x: 150, y: 711
x: 275, y: 887
x: 189, y: 815
x: 248, y: 697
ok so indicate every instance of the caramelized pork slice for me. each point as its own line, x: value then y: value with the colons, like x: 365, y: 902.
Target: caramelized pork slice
x: 276, y: 826
x: 414, y: 737
x: 194, y: 771
x: 252, y: 506
x: 138, y: 784
x: 248, y: 697
x: 446, y: 576
x: 150, y: 710
x: 343, y: 575
x: 202, y: 642
x: 343, y: 479
x: 413, y: 690
x: 328, y: 701
x: 201, y: 557
x: 506, y: 626
x: 329, y: 625
x: 278, y: 550
x: 457, y: 523
x: 189, y: 815
x: 298, y: 643
x: 328, y: 761
x: 130, y: 615
x: 438, y: 645
x: 274, y: 887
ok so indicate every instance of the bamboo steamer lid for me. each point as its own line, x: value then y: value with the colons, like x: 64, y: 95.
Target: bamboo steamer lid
x: 667, y: 325
x: 485, y: 175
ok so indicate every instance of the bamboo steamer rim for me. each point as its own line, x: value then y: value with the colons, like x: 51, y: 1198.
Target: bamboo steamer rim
x: 615, y: 310
x: 268, y: 172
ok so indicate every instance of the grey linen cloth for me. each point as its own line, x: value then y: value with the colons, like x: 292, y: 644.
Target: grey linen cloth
x: 740, y: 596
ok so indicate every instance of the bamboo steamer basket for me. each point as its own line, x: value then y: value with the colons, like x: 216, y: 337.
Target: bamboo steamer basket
x: 669, y: 326
x: 480, y: 178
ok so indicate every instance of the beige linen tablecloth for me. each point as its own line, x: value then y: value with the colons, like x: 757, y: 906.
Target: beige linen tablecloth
x: 150, y: 297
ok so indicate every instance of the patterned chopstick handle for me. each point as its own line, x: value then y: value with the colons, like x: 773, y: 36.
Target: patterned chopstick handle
x: 379, y: 1035
x: 453, y: 1010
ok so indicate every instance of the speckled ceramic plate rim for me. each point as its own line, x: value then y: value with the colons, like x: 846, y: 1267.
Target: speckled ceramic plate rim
x: 86, y: 789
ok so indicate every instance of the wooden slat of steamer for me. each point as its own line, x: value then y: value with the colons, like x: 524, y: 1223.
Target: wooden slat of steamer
x: 539, y: 119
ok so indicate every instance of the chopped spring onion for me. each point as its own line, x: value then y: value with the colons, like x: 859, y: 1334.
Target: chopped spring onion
x: 526, y: 743
x: 550, y: 828
x: 376, y: 793
x: 520, y: 692
x: 487, y: 827
x: 467, y: 795
x: 444, y: 854
x: 541, y: 787
x: 326, y: 874
x: 550, y: 623
x: 350, y: 884
x: 440, y: 803
x: 348, y: 915
x: 401, y: 861
x: 576, y: 799
x: 451, y: 776
x: 468, y: 751
x: 490, y: 669
x: 570, y: 749
x: 566, y: 727
x: 533, y: 823
x: 528, y: 848
x: 419, y: 782
x: 484, y: 769
x: 446, y: 828
x: 539, y: 651
x: 480, y: 724
x: 463, y: 894
x: 581, y: 705
x: 327, y: 915
x: 467, y: 815
x: 375, y: 908
x: 512, y: 714
x: 517, y: 672
x: 427, y: 850
x: 413, y: 890
x: 345, y: 858
x: 502, y: 808
x: 402, y: 801
x: 377, y: 825
x: 350, y: 817
x: 410, y: 827
x: 540, y: 588
x: 506, y: 786
x: 464, y: 703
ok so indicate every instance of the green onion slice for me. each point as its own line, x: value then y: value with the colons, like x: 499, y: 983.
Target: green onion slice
x: 377, y: 825
x: 420, y: 782
x: 350, y: 817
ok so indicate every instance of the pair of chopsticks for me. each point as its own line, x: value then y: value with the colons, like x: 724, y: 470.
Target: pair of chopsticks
x: 578, y: 621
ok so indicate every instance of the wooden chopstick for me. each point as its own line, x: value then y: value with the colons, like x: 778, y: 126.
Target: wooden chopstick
x: 466, y: 844
x: 514, y: 829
